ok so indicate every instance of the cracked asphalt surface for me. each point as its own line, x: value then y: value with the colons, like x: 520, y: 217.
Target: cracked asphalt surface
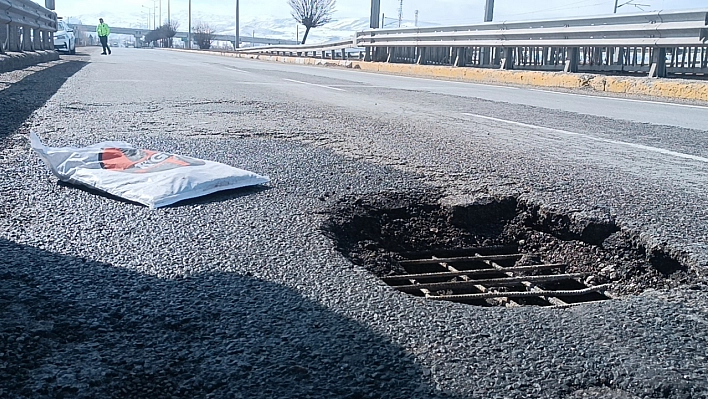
x: 241, y: 294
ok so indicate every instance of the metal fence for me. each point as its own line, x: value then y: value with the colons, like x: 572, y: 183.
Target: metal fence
x: 343, y: 50
x: 657, y: 43
x: 26, y: 26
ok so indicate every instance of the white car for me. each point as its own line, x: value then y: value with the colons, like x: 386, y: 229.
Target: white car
x: 64, y: 39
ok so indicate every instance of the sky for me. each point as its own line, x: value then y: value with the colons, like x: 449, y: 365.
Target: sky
x: 443, y: 12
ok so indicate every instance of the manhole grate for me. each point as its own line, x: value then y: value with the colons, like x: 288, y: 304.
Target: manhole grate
x: 493, y: 276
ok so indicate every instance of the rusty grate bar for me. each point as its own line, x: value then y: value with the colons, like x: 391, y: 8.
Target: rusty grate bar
x: 521, y: 294
x: 473, y: 272
x: 459, y: 259
x: 539, y: 284
x: 552, y: 300
x: 478, y: 287
x: 504, y: 281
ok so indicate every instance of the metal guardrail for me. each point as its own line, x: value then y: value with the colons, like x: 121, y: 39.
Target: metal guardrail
x: 26, y: 26
x: 342, y: 49
x: 658, y: 43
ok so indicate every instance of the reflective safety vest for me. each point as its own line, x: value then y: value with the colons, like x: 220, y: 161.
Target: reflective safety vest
x: 103, y: 29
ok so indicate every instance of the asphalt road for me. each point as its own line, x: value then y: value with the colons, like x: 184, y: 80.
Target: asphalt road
x: 242, y: 295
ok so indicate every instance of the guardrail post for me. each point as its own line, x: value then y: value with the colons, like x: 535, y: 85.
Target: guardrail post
x: 48, y: 38
x: 571, y: 64
x: 658, y: 66
x: 14, y: 38
x: 422, y: 56
x: 4, y: 33
x: 37, y: 42
x: 459, y: 57
x: 497, y: 56
x: 508, y: 61
x: 27, y: 44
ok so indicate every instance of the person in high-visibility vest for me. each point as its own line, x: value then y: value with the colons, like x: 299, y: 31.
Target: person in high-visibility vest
x: 103, y: 31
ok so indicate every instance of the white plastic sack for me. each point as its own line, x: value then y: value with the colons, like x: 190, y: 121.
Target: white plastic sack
x: 148, y: 177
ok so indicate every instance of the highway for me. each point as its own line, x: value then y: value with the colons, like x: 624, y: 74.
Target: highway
x: 245, y: 294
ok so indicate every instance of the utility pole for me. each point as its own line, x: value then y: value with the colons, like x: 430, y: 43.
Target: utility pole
x: 189, y: 22
x: 489, y: 11
x: 375, y: 11
x: 488, y: 16
x: 400, y: 13
x: 238, y: 28
x: 168, y: 13
x: 416, y: 18
x: 160, y: 12
x: 616, y: 1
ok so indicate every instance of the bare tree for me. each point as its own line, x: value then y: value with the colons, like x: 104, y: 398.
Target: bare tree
x: 163, y: 34
x: 311, y: 13
x: 203, y: 35
x: 169, y: 31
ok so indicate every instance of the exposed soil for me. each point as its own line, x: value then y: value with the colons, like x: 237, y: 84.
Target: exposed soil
x: 377, y: 232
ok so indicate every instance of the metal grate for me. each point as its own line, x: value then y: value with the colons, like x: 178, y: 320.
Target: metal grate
x: 493, y: 276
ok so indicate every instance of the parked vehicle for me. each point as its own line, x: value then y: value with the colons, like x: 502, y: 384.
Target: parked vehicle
x: 64, y: 39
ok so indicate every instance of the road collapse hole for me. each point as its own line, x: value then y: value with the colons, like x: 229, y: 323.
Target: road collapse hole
x: 495, y: 251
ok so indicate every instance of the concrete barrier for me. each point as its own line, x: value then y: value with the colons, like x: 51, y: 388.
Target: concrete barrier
x: 662, y: 88
x: 14, y: 61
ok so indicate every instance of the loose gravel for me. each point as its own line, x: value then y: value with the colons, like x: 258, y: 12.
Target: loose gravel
x: 243, y: 293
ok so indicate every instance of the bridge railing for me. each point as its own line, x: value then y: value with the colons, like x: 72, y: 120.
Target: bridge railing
x: 657, y: 43
x: 342, y: 49
x: 26, y: 26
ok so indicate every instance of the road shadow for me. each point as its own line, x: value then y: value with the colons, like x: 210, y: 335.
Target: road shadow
x: 71, y: 327
x: 219, y: 196
x: 21, y: 99
x: 78, y: 54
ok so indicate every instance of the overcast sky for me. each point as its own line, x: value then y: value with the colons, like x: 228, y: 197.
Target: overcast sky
x: 438, y: 11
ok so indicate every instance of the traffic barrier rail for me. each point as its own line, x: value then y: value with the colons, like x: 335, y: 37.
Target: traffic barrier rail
x: 658, y: 43
x: 26, y: 26
x: 342, y: 49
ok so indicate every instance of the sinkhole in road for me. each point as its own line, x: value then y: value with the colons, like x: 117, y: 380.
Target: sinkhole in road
x: 496, y: 251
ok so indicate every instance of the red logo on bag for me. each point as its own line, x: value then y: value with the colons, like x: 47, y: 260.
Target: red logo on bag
x: 132, y: 160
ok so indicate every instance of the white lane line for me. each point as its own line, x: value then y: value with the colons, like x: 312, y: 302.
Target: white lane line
x: 362, y: 86
x: 565, y: 132
x: 314, y: 84
x: 237, y: 70
x: 256, y: 83
x: 622, y: 99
